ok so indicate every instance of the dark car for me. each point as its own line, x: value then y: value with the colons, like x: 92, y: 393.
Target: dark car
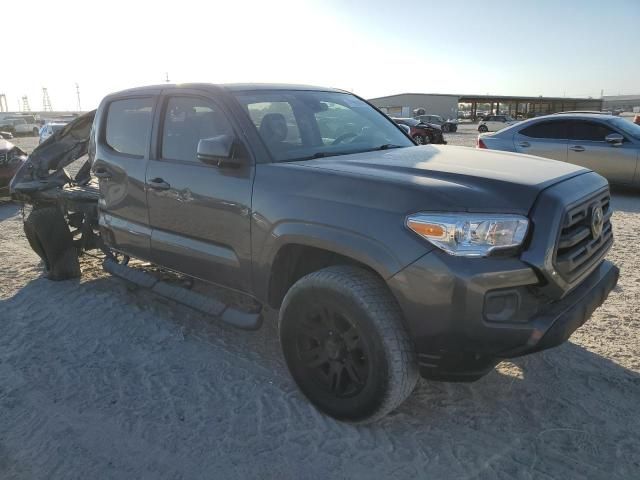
x: 422, y: 133
x: 11, y: 158
x: 380, y: 259
x: 445, y: 125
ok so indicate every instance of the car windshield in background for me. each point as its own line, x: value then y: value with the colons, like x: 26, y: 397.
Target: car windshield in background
x: 302, y: 124
x: 627, y: 127
x: 412, y: 122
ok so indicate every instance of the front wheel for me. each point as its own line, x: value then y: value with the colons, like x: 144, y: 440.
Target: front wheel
x: 445, y: 128
x: 345, y: 345
x: 483, y: 129
x: 35, y: 132
x: 420, y: 140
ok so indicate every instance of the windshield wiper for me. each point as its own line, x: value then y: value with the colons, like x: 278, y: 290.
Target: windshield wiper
x: 387, y: 146
x: 317, y: 155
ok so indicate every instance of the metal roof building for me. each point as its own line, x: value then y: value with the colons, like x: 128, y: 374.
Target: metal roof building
x: 628, y: 103
x: 446, y: 105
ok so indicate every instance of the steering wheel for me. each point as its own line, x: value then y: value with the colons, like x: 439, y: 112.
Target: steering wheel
x: 343, y: 137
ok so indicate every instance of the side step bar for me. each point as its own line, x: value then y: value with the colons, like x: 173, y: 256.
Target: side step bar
x: 195, y: 300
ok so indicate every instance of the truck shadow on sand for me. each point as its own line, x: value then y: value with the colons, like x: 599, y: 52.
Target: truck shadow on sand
x: 625, y: 199
x: 153, y: 373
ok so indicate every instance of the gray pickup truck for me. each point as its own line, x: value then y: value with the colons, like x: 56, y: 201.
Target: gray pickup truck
x: 383, y: 260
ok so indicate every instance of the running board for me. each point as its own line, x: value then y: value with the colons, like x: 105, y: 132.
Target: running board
x: 197, y: 301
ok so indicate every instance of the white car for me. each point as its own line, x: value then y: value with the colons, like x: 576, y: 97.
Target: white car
x: 493, y: 123
x: 49, y: 129
x: 19, y: 126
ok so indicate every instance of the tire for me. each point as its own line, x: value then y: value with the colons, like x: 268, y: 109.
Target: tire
x: 420, y: 140
x: 49, y: 236
x: 345, y: 345
x: 445, y: 128
x: 35, y: 132
x: 483, y: 128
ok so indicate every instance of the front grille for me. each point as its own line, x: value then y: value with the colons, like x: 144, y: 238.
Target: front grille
x: 578, y: 250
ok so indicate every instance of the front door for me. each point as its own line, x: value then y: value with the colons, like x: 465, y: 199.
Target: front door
x: 199, y: 213
x: 588, y: 148
x: 123, y: 129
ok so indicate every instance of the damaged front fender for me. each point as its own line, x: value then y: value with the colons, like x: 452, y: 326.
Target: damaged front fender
x: 43, y: 172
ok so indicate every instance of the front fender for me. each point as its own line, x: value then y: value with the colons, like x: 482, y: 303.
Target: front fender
x: 366, y: 250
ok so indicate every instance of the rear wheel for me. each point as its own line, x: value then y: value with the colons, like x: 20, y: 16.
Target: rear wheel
x: 445, y: 128
x: 344, y: 343
x: 420, y: 140
x: 49, y: 236
x: 35, y: 132
x: 483, y: 128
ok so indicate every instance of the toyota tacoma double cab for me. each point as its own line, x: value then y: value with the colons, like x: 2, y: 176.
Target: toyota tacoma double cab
x: 382, y: 260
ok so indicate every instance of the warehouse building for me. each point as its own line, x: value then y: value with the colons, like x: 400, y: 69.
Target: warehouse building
x: 404, y: 104
x: 626, y: 103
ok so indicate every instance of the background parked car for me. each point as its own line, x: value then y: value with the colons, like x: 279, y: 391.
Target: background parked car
x: 607, y: 144
x: 49, y: 129
x: 6, y: 135
x: 422, y: 132
x: 11, y: 158
x: 19, y: 126
x: 445, y: 125
x: 493, y: 123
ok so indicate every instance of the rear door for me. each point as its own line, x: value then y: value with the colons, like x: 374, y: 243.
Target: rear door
x: 546, y: 139
x: 588, y: 148
x: 123, y: 132
x: 199, y: 213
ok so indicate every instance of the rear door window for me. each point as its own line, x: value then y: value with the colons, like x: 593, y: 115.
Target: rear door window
x: 188, y: 120
x: 552, y: 130
x: 588, y: 131
x: 129, y: 125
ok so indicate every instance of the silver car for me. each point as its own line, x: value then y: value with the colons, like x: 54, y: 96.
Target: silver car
x: 606, y: 144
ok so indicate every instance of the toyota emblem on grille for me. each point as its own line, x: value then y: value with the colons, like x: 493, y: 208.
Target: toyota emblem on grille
x: 597, y: 221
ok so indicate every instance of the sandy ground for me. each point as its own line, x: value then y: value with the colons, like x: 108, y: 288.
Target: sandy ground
x: 97, y: 381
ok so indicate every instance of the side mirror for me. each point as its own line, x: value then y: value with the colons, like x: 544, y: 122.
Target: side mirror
x: 614, y: 139
x: 406, y: 128
x: 218, y: 151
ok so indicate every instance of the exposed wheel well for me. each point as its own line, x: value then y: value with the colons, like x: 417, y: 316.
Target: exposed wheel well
x: 294, y: 261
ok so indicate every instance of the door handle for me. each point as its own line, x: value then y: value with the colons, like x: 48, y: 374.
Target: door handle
x: 577, y: 148
x: 159, y: 184
x: 102, y: 173
x: 525, y: 144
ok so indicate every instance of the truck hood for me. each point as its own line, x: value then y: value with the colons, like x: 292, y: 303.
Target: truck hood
x: 44, y: 168
x: 456, y: 178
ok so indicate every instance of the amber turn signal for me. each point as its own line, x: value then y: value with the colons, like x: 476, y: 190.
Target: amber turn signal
x: 429, y: 230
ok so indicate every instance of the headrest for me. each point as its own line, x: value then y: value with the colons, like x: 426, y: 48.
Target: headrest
x: 273, y: 128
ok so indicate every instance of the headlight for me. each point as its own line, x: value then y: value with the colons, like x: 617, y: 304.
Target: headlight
x: 469, y: 234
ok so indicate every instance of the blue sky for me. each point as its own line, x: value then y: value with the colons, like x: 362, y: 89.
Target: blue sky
x: 374, y: 47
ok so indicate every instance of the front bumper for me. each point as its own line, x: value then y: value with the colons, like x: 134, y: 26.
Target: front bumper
x: 457, y: 332
x: 464, y: 314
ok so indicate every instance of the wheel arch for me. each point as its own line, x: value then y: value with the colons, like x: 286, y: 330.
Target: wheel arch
x: 300, y: 249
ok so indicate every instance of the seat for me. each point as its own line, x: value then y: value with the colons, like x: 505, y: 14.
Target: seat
x: 274, y: 130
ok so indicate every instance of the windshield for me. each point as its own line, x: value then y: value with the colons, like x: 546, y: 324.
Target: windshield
x: 412, y: 122
x: 301, y: 125
x: 627, y: 127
